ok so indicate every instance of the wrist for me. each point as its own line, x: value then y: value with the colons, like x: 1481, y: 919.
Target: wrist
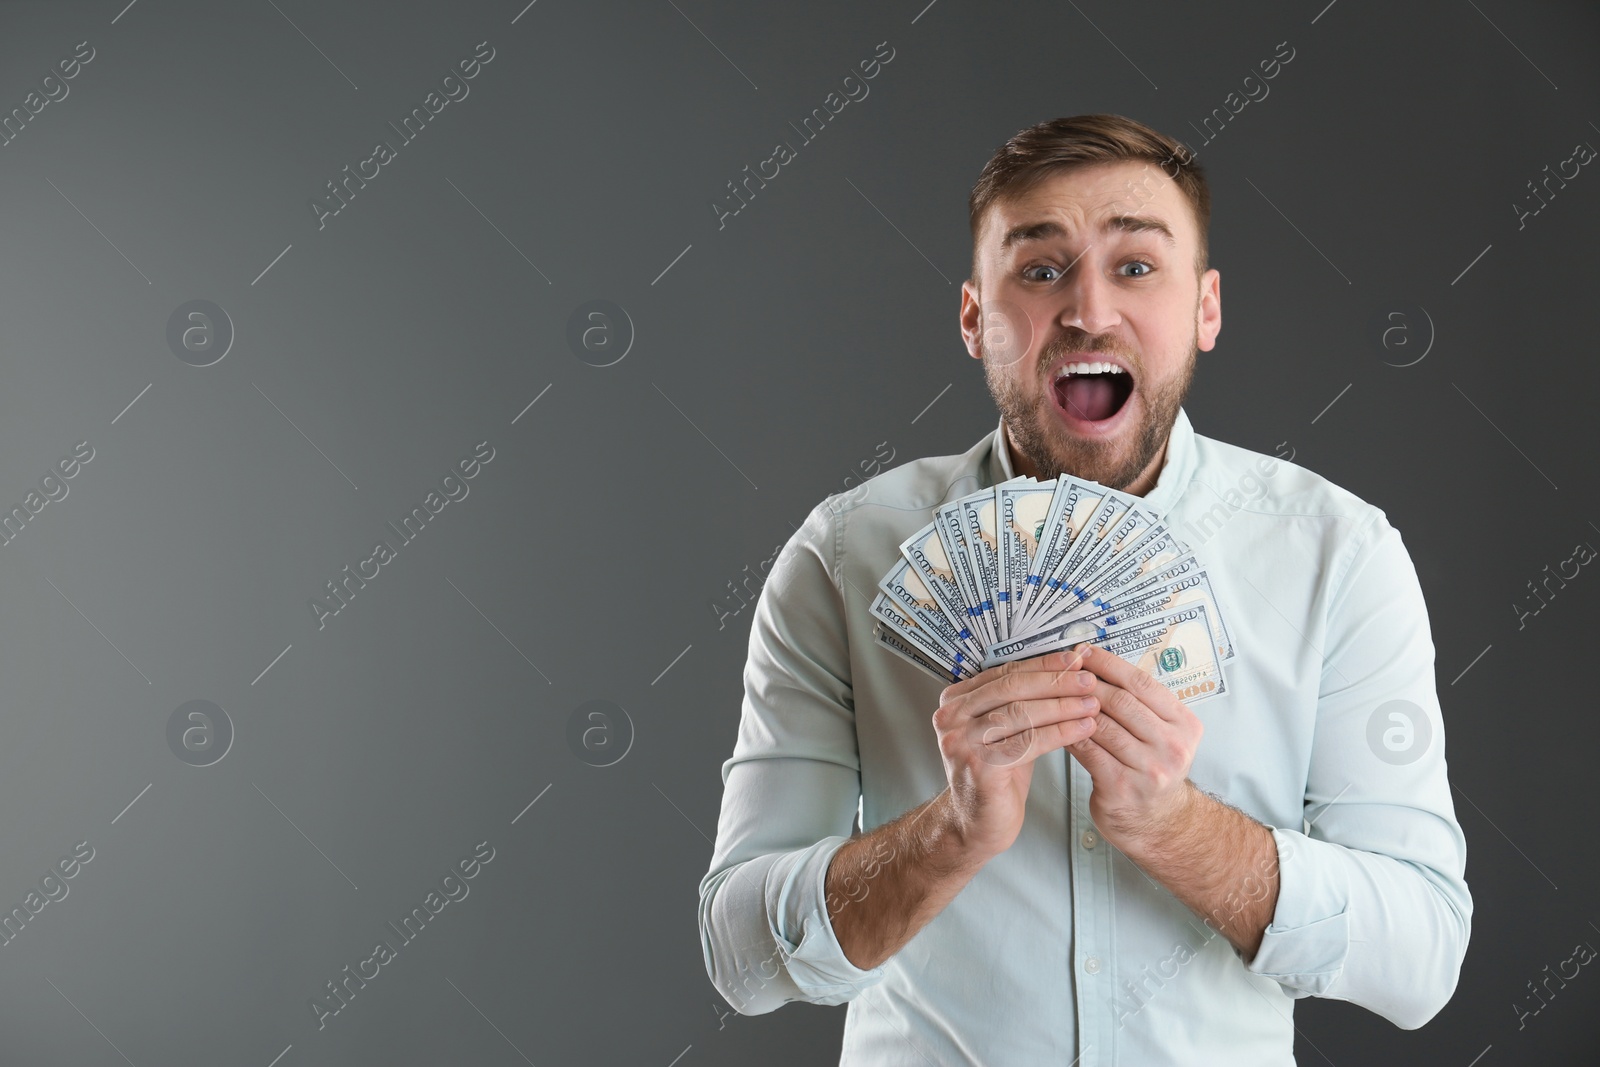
x: 949, y: 843
x: 1174, y: 821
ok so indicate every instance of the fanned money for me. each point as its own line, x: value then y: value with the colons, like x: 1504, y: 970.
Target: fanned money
x: 1029, y: 567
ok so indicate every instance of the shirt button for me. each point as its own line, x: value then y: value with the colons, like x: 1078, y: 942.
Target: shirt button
x: 1092, y: 964
x: 1089, y: 839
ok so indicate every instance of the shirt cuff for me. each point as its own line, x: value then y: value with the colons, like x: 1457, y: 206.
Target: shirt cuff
x: 797, y: 904
x: 1305, y: 945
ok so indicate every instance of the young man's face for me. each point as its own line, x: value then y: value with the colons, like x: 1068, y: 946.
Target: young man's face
x: 1092, y: 266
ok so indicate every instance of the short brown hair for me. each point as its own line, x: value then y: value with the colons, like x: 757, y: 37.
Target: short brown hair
x: 1064, y: 144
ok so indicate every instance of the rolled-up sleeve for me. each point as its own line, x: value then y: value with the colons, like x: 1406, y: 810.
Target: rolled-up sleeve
x: 1373, y: 907
x: 790, y: 793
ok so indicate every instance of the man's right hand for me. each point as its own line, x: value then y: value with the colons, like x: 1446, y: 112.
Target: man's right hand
x: 992, y: 726
x: 886, y: 884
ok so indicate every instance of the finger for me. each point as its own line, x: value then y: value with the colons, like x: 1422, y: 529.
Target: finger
x: 1129, y: 715
x: 1120, y: 744
x: 1019, y: 678
x: 1018, y: 687
x: 1020, y: 716
x: 1095, y: 758
x: 1031, y: 744
x: 1065, y: 659
x: 1138, y: 683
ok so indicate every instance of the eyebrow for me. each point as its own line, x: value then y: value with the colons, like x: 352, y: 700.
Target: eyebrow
x: 1040, y: 231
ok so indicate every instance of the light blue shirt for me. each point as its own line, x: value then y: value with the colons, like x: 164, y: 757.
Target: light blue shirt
x: 1060, y: 950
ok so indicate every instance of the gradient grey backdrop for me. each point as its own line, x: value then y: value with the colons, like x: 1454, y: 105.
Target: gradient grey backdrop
x: 771, y: 357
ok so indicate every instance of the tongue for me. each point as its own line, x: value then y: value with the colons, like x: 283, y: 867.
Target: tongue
x: 1090, y: 397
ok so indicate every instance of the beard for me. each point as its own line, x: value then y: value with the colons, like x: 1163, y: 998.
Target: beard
x: 1036, y: 429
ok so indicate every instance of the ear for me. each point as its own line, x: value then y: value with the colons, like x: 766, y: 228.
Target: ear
x: 971, y: 319
x: 1208, y: 312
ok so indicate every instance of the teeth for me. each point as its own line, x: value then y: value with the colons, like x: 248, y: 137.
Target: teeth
x: 1089, y: 368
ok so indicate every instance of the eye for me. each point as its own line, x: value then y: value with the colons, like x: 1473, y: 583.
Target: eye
x: 1139, y: 263
x: 1028, y: 275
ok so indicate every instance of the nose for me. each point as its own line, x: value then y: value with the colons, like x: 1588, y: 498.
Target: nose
x: 1088, y: 299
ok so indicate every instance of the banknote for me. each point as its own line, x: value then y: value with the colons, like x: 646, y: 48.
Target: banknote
x: 1174, y: 647
x: 925, y: 551
x: 1024, y: 507
x: 1126, y: 530
x: 1155, y: 550
x: 1175, y: 587
x: 980, y: 529
x: 978, y: 597
x: 903, y: 585
x: 954, y: 663
x: 1026, y: 566
x: 886, y: 637
x: 1102, y: 520
x: 1072, y: 504
x: 1176, y: 650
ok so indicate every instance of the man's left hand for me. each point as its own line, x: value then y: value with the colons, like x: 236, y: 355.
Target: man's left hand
x: 1139, y: 754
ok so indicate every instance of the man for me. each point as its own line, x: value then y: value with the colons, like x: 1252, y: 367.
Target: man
x: 1147, y: 883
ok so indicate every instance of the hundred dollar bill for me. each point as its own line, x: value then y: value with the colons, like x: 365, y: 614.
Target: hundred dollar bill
x: 925, y: 551
x: 1190, y: 585
x: 1130, y: 532
x: 1160, y: 586
x: 1024, y: 513
x: 1155, y: 549
x: 1175, y: 648
x: 1158, y: 550
x: 955, y: 664
x: 1072, y: 505
x: 1064, y: 634
x: 882, y: 635
x: 980, y: 528
x: 911, y: 595
x: 1107, y: 507
x: 1117, y: 524
x: 980, y: 608
x: 1184, y: 565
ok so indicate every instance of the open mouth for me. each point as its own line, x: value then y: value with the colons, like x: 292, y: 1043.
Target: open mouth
x: 1091, y: 392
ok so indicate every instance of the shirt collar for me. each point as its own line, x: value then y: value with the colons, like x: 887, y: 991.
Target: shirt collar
x: 997, y: 468
x: 1177, y: 468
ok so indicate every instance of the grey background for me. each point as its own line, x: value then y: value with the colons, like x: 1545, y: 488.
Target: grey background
x: 773, y: 356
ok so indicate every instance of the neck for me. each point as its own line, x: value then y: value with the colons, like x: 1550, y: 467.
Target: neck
x: 1146, y: 481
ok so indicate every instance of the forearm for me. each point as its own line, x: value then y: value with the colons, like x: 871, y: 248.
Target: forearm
x: 1222, y: 864
x: 885, y: 885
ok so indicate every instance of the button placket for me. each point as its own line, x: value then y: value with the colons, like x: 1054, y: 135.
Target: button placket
x: 1091, y: 927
